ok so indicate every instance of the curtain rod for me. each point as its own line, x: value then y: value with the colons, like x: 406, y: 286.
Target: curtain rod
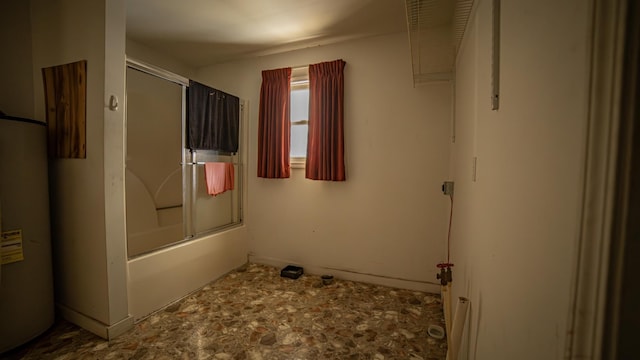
x: 204, y: 162
x: 296, y: 67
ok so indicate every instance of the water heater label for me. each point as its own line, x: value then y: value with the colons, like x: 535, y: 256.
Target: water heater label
x: 11, y: 246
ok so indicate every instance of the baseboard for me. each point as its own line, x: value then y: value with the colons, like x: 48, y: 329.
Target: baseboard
x: 120, y: 327
x: 352, y: 275
x: 99, y: 328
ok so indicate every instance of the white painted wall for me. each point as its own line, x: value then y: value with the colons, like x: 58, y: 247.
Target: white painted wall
x: 114, y: 156
x: 16, y: 86
x: 515, y: 229
x: 87, y: 196
x: 156, y: 58
x: 389, y: 217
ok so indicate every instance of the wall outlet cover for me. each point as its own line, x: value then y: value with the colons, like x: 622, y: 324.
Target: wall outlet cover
x: 447, y: 188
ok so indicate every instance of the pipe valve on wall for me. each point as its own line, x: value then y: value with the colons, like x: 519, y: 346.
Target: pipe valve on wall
x: 445, y: 275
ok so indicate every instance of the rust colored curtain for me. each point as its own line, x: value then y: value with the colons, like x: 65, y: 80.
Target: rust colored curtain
x: 325, y: 145
x: 274, y: 129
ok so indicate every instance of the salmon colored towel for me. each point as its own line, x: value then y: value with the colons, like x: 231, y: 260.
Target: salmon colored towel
x: 219, y: 177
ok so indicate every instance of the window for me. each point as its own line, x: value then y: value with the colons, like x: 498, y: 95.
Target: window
x: 299, y: 117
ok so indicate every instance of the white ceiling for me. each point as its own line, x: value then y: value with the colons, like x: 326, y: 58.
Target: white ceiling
x: 205, y: 32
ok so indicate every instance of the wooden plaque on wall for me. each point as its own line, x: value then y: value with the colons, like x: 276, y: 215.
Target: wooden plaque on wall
x: 65, y: 93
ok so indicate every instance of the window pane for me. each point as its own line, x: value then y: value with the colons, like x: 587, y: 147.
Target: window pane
x: 299, y: 111
x: 299, y: 140
x: 300, y: 104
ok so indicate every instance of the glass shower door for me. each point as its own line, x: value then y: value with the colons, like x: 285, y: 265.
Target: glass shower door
x: 154, y: 179
x: 212, y: 213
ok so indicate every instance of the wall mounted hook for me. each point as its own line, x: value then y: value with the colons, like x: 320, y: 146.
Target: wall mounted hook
x: 113, y: 103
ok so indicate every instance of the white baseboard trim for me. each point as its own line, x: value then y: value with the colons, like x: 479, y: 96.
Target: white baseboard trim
x: 99, y: 328
x: 120, y: 327
x: 352, y: 275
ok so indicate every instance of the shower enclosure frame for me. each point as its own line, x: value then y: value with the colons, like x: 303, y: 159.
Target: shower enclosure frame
x: 190, y: 159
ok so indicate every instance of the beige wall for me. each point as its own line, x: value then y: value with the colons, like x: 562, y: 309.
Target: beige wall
x: 515, y: 228
x: 389, y: 217
x: 87, y: 215
x: 16, y: 86
x: 157, y: 58
x: 114, y: 190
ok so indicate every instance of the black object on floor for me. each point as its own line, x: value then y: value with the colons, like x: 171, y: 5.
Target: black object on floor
x: 291, y: 271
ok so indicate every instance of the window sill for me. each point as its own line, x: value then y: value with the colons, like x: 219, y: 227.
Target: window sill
x: 297, y: 163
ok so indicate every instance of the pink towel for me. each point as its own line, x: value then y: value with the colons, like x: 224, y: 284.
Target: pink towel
x: 219, y: 177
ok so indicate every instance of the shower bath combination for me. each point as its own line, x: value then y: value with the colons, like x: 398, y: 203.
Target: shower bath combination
x: 166, y: 194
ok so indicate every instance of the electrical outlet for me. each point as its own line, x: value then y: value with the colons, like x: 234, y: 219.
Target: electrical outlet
x: 447, y: 188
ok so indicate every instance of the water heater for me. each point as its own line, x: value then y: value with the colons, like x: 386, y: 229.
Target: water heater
x: 26, y: 279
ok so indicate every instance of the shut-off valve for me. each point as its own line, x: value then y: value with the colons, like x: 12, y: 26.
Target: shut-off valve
x: 445, y: 276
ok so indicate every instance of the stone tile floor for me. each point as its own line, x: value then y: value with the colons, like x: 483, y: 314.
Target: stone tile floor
x: 254, y: 314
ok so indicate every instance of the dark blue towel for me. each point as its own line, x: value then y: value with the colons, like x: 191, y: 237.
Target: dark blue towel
x: 213, y: 119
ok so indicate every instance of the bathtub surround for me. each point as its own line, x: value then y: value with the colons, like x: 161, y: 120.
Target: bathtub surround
x: 167, y: 183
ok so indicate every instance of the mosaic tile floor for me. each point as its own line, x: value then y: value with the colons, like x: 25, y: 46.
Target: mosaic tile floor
x: 254, y: 314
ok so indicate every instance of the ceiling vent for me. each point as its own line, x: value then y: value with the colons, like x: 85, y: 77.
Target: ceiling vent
x: 436, y: 28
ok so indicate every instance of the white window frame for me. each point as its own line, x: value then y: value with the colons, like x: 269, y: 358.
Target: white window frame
x: 299, y: 80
